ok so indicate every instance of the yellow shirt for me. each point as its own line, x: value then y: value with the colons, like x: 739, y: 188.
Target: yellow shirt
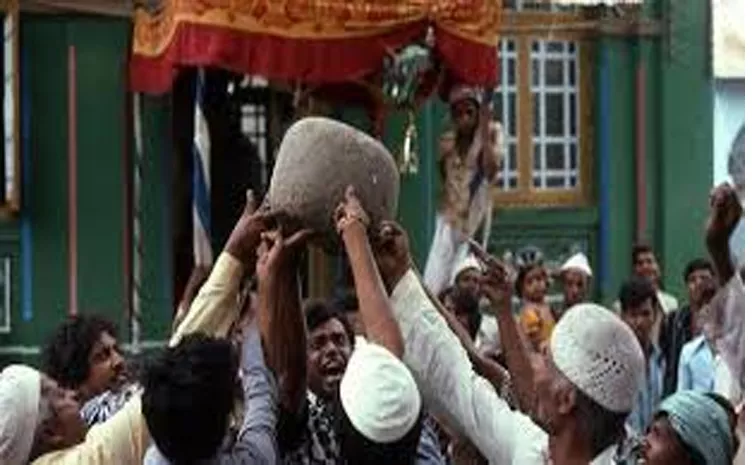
x: 537, y: 323
x: 124, y: 438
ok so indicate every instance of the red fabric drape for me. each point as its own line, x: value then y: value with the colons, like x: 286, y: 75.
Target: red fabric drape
x: 311, y: 41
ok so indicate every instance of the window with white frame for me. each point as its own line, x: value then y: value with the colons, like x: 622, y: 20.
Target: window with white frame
x: 254, y: 117
x: 554, y: 89
x: 507, y: 100
x: 540, y: 104
x: 254, y: 125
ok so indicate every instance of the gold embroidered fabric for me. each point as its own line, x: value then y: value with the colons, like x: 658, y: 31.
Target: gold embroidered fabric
x: 474, y: 20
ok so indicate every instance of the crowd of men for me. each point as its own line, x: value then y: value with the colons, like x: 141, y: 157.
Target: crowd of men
x: 480, y: 370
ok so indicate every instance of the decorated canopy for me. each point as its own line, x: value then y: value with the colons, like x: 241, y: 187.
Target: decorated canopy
x: 311, y: 41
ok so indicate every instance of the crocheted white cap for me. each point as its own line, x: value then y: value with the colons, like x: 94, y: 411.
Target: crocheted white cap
x: 379, y: 394
x: 469, y: 263
x: 600, y: 355
x: 578, y: 262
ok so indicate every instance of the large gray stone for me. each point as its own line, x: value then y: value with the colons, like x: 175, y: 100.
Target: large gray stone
x: 317, y: 160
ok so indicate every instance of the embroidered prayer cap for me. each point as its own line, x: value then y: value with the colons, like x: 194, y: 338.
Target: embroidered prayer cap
x: 462, y: 92
x: 702, y: 425
x: 20, y: 393
x: 577, y: 262
x: 600, y: 355
x: 379, y: 394
x: 469, y: 263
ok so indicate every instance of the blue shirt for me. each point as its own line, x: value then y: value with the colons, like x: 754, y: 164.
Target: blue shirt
x: 696, y: 370
x: 650, y: 393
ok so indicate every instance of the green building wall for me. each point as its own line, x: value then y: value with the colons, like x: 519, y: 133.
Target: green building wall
x: 678, y: 173
x: 101, y: 47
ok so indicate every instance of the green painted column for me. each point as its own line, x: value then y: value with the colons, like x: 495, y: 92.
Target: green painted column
x: 650, y: 50
x: 687, y: 142
x: 614, y: 133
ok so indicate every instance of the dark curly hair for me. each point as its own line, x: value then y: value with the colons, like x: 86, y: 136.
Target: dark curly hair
x: 65, y: 358
x: 188, y: 397
x: 319, y: 312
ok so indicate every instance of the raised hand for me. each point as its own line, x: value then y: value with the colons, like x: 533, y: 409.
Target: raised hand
x: 245, y: 237
x: 275, y: 252
x: 350, y: 212
x: 724, y: 215
x: 496, y: 284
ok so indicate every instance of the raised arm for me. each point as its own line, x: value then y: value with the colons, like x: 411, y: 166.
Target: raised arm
x: 374, y: 305
x: 280, y: 315
x: 198, y: 277
x: 215, y: 308
x: 486, y: 367
x: 724, y: 323
x: 497, y: 287
x: 462, y: 399
x: 724, y: 216
x: 124, y: 437
x: 493, y: 143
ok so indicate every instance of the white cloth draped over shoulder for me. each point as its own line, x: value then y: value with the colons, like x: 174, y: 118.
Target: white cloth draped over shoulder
x: 465, y: 205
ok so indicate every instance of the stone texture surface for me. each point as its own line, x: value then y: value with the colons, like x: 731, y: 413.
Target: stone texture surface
x: 317, y: 160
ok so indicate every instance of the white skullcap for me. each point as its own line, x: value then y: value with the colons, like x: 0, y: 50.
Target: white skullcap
x: 379, y: 394
x: 578, y: 262
x: 600, y: 355
x: 20, y: 391
x: 469, y: 263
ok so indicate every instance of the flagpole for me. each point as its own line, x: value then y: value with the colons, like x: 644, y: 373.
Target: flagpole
x: 136, y: 282
x: 203, y: 254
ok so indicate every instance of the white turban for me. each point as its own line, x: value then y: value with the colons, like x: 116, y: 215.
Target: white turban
x: 469, y: 263
x: 600, y: 355
x: 20, y: 390
x: 379, y: 394
x: 578, y: 262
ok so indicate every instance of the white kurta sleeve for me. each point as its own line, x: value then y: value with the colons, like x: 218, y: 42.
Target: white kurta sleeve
x: 724, y: 325
x: 450, y: 387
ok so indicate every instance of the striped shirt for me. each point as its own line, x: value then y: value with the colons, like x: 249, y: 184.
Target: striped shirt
x: 107, y: 404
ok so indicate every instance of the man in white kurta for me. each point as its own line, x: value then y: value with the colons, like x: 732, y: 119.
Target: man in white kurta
x: 593, y: 354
